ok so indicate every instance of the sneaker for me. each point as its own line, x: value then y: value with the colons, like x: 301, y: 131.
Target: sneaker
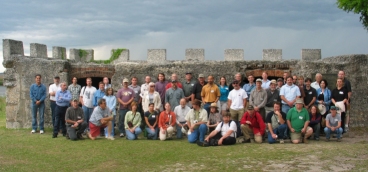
x: 327, y: 139
x: 338, y: 139
x: 110, y: 138
x: 317, y: 139
x: 41, y: 131
x: 305, y: 140
x: 122, y: 135
x: 33, y: 131
x: 80, y: 137
x: 281, y: 141
x: 54, y: 135
x: 246, y: 141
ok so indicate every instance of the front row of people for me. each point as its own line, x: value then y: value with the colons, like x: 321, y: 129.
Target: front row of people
x: 165, y: 124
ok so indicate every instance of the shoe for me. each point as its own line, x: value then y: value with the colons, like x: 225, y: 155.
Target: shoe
x: 317, y: 139
x: 33, y: 131
x: 202, y: 144
x: 327, y: 139
x: 281, y: 141
x: 41, y: 131
x: 80, y: 137
x: 246, y: 141
x: 64, y: 134
x: 305, y: 140
x: 54, y: 135
x: 110, y: 138
x: 122, y: 135
x: 338, y: 139
x: 67, y: 137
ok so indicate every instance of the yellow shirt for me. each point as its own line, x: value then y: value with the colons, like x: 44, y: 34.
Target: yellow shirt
x: 210, y: 93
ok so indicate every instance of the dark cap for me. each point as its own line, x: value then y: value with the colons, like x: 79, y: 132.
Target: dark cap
x: 235, y: 82
x: 250, y: 107
x: 75, y: 100
x: 334, y: 108
x: 280, y: 80
x: 188, y: 73
x: 174, y: 81
x: 56, y: 77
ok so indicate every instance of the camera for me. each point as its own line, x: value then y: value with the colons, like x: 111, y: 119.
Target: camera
x: 195, y: 121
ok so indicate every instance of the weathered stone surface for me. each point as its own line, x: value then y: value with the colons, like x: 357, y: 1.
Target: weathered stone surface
x: 38, y: 50
x: 59, y: 53
x: 81, y: 55
x: 234, y: 54
x: 124, y: 56
x: 11, y: 50
x: 194, y: 54
x: 311, y: 54
x: 272, y: 54
x: 156, y: 55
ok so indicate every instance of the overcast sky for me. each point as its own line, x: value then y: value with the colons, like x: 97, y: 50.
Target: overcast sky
x: 175, y: 25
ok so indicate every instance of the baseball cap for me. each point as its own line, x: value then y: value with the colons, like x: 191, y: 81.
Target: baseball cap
x: 201, y: 76
x: 299, y: 101
x: 56, y: 77
x: 250, y: 107
x: 259, y: 80
x: 125, y: 80
x: 273, y: 82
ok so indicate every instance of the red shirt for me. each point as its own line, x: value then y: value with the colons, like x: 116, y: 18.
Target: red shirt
x: 169, y: 85
x: 258, y: 125
x: 165, y: 118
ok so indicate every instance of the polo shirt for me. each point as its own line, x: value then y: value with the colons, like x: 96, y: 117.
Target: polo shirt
x: 188, y: 87
x: 297, y: 119
x: 210, y: 93
x: 74, y: 114
x: 197, y: 90
x: 289, y: 92
x: 309, y: 94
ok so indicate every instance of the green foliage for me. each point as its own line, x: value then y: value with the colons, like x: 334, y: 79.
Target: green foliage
x: 356, y: 6
x: 115, y: 55
x: 82, y: 53
x: 63, y: 55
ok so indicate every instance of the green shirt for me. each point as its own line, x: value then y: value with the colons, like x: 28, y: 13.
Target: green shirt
x: 136, y: 119
x: 297, y: 119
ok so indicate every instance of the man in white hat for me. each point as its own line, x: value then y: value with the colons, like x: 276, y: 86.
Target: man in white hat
x: 333, y: 124
x: 125, y: 96
x: 297, y: 121
x: 273, y: 95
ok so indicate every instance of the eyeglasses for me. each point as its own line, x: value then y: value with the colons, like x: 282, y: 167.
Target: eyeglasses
x: 152, y: 86
x: 235, y: 83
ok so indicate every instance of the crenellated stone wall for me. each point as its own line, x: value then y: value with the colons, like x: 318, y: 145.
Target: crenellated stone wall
x: 20, y: 71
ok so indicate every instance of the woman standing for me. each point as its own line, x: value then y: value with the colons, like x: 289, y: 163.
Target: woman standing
x: 339, y: 98
x: 324, y: 96
x: 132, y: 122
x: 151, y: 96
x: 151, y: 119
x: 224, y: 90
x: 111, y: 104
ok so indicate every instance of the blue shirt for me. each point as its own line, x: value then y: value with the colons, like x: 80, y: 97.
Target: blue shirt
x: 265, y: 84
x: 289, y: 92
x: 224, y: 90
x: 63, y: 98
x: 97, y: 96
x: 37, y: 93
x: 249, y: 88
x: 111, y: 103
x: 326, y: 97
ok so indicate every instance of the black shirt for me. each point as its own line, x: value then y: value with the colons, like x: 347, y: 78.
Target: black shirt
x: 151, y: 117
x: 197, y: 89
x: 339, y: 95
x: 309, y: 94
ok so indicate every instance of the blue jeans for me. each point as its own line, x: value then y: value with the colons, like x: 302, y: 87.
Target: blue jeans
x: 198, y: 133
x: 207, y: 108
x: 52, y: 107
x: 338, y: 132
x: 112, y: 128
x: 60, y: 119
x: 41, y: 109
x: 285, y: 108
x: 122, y: 113
x: 279, y: 131
x: 87, y: 114
x: 133, y: 136
x: 151, y: 134
x: 179, y: 134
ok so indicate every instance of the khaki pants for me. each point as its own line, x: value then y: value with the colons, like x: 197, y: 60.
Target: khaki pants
x: 236, y: 115
x: 169, y: 133
x: 248, y: 133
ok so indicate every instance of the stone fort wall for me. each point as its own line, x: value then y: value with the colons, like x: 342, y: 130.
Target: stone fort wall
x: 20, y: 71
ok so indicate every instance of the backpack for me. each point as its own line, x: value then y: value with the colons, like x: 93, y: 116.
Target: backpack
x: 222, y: 123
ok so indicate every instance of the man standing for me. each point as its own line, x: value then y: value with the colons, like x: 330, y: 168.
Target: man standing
x: 280, y: 83
x: 137, y: 92
x: 315, y: 84
x: 289, y: 93
x: 52, y: 92
x: 295, y: 79
x: 197, y: 88
x: 63, y: 98
x: 188, y: 87
x: 75, y: 123
x: 347, y: 85
x: 252, y: 123
x: 224, y: 134
x: 333, y: 124
x: 99, y: 93
x: 285, y: 76
x: 37, y: 93
x: 210, y: 93
x: 258, y: 99
x: 173, y: 95
x: 174, y: 77
x: 125, y: 96
x: 300, y: 84
x: 106, y: 83
x: 310, y: 94
x: 237, y: 101
x: 100, y: 119
x: 298, y: 121
x: 74, y: 89
x: 181, y: 111
x: 161, y: 86
x: 196, y: 120
x: 86, y: 99
x: 276, y: 123
x: 273, y: 95
x: 145, y: 87
x: 238, y: 77
x: 265, y: 81
x: 250, y: 86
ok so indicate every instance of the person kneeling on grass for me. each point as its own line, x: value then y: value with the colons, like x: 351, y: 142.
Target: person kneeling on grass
x: 75, y: 123
x: 196, y: 120
x: 298, y: 121
x: 333, y: 124
x: 100, y: 119
x: 252, y: 122
x: 133, y: 122
x: 166, y: 122
x: 224, y: 134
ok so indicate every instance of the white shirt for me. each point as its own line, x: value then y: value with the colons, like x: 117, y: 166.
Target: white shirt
x: 145, y: 87
x: 87, y: 94
x: 289, y: 92
x: 181, y: 113
x: 237, y: 99
x: 265, y: 84
x: 53, y: 88
x: 315, y: 85
x: 202, y: 117
x: 225, y: 128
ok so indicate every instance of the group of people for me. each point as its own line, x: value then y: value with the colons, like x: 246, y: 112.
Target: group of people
x: 289, y: 107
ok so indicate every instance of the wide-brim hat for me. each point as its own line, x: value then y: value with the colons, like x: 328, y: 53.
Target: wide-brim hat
x: 214, y: 105
x: 322, y: 108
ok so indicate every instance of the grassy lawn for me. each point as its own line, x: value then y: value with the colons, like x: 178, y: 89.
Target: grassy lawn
x: 22, y: 151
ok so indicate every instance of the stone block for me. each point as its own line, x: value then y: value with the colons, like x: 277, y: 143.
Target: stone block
x: 194, y: 54
x: 38, y: 50
x: 81, y: 55
x: 156, y: 55
x: 59, y: 53
x: 311, y: 54
x: 272, y: 54
x: 123, y: 57
x: 234, y: 54
x: 11, y: 48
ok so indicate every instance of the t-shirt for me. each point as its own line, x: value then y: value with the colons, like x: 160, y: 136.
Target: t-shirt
x: 197, y: 89
x: 237, y: 98
x: 74, y: 114
x: 53, y: 88
x: 97, y: 114
x: 309, y: 94
x: 339, y: 95
x: 87, y: 94
x: 152, y: 117
x: 273, y: 119
x: 137, y: 92
x: 224, y: 91
x: 75, y: 91
x: 334, y: 121
x: 225, y: 128
x: 125, y: 94
x: 297, y: 119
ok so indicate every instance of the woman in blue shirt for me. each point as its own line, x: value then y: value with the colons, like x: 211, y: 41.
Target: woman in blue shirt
x: 111, y: 104
x: 324, y: 96
x: 224, y: 90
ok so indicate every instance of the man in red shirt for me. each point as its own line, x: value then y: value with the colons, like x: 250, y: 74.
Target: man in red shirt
x: 174, y: 77
x: 252, y: 122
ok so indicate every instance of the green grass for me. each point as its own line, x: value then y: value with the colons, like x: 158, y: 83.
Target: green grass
x: 22, y: 151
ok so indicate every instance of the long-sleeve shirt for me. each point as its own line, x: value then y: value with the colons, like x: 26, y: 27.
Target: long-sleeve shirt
x: 37, y: 93
x: 257, y: 123
x: 63, y: 98
x: 135, y: 119
x: 111, y: 103
x: 97, y: 96
x: 248, y: 88
x: 160, y: 88
x: 173, y: 97
x: 272, y: 97
x: 180, y: 113
x: 166, y: 118
x: 258, y: 98
x: 315, y: 120
x: 326, y: 97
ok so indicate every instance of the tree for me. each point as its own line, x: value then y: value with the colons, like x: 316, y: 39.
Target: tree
x: 356, y: 6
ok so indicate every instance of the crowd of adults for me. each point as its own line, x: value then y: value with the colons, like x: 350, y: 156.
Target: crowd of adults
x: 287, y: 108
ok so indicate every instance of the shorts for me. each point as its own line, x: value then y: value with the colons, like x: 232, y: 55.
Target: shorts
x: 95, y: 130
x: 298, y: 135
